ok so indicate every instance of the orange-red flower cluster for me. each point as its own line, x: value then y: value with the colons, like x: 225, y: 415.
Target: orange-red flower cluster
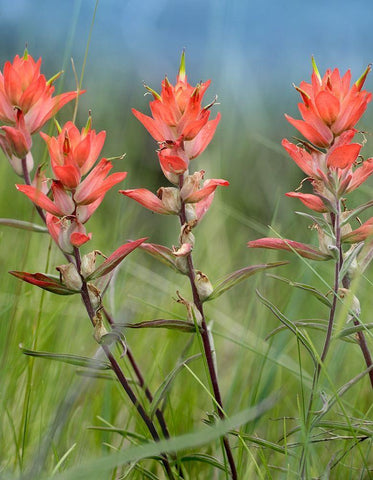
x: 331, y: 160
x: 182, y: 128
x: 74, y: 198
x: 26, y: 104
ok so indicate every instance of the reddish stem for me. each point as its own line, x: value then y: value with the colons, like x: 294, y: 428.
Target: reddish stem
x: 206, y: 343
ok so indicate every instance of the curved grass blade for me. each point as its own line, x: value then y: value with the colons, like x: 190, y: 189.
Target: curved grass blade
x: 120, y: 431
x: 322, y: 325
x: 93, y: 468
x: 356, y: 212
x: 166, y: 384
x: 76, y: 360
x: 262, y: 443
x: 162, y: 323
x: 290, y: 325
x: 238, y: 276
x: 354, y: 329
x: 32, y: 227
x: 204, y: 458
x: 308, y: 288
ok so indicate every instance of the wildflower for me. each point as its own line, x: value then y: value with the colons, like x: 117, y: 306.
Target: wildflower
x: 330, y: 105
x: 178, y: 116
x: 23, y: 88
x: 74, y: 153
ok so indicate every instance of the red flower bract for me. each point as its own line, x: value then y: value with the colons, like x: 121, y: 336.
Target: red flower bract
x: 330, y: 105
x: 177, y: 114
x: 24, y: 88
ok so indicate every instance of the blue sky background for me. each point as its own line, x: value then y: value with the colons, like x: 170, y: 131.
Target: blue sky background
x: 253, y: 52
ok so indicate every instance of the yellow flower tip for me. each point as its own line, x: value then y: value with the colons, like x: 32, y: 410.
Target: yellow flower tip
x: 315, y: 69
x: 153, y: 92
x: 54, y: 78
x: 25, y: 53
x: 88, y: 125
x: 58, y: 126
x: 182, y: 73
x: 360, y: 82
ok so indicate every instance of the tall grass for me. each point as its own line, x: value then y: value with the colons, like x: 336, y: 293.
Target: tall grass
x: 65, y: 425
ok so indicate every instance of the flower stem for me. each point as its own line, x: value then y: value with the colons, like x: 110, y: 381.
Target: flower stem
x: 118, y: 371
x: 140, y: 378
x: 27, y: 179
x: 206, y: 343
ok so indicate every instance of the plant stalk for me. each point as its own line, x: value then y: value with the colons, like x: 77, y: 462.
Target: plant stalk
x: 118, y: 371
x: 206, y: 344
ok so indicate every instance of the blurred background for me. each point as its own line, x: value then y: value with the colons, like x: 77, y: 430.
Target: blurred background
x: 253, y: 52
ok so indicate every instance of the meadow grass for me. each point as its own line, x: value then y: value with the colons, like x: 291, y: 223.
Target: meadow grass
x: 58, y: 422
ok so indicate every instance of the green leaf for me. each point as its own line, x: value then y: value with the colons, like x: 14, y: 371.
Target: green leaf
x: 163, y: 254
x: 98, y: 467
x: 77, y: 360
x: 32, y: 227
x: 308, y: 288
x: 262, y: 443
x: 235, y: 277
x: 162, y: 323
x: 120, y: 431
x: 204, y: 458
x: 321, y: 325
x: 166, y: 384
x: 349, y: 257
x: 319, y: 220
x: 354, y: 329
x: 354, y: 213
x: 289, y: 324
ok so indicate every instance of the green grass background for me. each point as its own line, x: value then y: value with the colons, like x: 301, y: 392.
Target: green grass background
x: 246, y: 151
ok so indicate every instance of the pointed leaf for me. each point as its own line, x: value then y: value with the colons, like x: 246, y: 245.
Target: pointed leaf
x: 235, y: 277
x: 289, y: 324
x: 356, y: 211
x: 204, y: 458
x: 354, y: 329
x: 121, y: 431
x: 51, y: 283
x: 263, y: 443
x: 161, y: 253
x: 77, y: 360
x: 32, y: 227
x: 321, y: 325
x: 350, y: 256
x: 165, y: 385
x: 115, y: 259
x: 161, y: 323
x: 302, y: 249
x: 319, y: 220
x: 308, y: 288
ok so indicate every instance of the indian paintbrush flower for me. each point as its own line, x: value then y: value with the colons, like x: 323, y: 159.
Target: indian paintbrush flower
x: 330, y: 105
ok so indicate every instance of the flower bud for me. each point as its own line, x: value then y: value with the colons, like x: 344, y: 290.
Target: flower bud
x: 355, y: 304
x: 203, y: 285
x: 70, y: 276
x: 326, y: 243
x: 88, y: 264
x: 190, y: 212
x: 186, y: 235
x: 100, y: 329
x: 16, y: 163
x: 170, y: 198
x: 94, y: 296
x: 191, y: 184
